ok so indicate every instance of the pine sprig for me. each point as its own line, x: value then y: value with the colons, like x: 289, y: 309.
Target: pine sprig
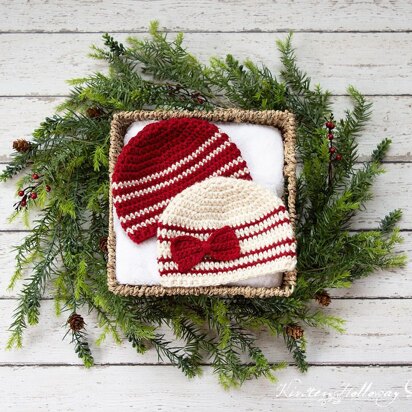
x: 389, y: 222
x: 71, y: 147
x: 82, y: 348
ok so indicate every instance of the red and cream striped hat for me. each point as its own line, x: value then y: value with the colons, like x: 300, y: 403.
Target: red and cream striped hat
x: 223, y: 230
x: 163, y: 159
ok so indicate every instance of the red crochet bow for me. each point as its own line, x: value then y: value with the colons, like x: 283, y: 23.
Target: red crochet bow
x: 187, y: 251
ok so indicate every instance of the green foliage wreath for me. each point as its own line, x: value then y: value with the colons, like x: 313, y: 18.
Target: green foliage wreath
x: 68, y: 171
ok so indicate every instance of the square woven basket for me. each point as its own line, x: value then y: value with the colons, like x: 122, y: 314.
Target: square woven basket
x: 281, y: 120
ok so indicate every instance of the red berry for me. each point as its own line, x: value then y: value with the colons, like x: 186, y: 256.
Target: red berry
x: 330, y: 136
x: 48, y: 188
x: 21, y: 193
x: 33, y: 195
x: 330, y: 125
x: 35, y: 176
x: 332, y: 149
x: 23, y: 203
x: 338, y: 157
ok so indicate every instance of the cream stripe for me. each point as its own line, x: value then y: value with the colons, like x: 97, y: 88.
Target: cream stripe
x: 170, y: 169
x: 150, y: 189
x: 237, y: 174
x: 275, y: 235
x: 143, y: 224
x: 145, y: 211
x: 286, y: 263
x: 251, y: 259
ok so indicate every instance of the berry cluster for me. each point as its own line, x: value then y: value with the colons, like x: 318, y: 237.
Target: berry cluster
x: 330, y: 125
x: 333, y: 154
x: 29, y: 192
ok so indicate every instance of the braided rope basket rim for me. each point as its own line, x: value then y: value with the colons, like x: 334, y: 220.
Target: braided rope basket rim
x: 282, y: 120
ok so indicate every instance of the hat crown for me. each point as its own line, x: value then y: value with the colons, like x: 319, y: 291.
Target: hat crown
x: 220, y: 201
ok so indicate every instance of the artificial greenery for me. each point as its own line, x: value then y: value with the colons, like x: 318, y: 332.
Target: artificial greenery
x: 69, y: 151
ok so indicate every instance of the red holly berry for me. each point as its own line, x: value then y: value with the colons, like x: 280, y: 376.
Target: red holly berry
x: 35, y: 176
x: 23, y: 203
x: 338, y: 157
x: 332, y: 149
x: 48, y: 188
x: 21, y: 193
x: 330, y: 136
x: 33, y: 195
x: 330, y: 125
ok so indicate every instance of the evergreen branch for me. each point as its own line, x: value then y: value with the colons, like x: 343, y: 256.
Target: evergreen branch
x: 169, y: 60
x: 81, y: 347
x: 71, y: 147
x: 389, y: 222
x: 297, y: 347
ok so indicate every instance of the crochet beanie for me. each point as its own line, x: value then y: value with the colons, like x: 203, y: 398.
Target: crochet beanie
x: 223, y: 230
x: 163, y: 159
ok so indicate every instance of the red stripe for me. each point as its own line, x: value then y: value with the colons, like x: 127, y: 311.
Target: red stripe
x: 244, y: 265
x: 287, y: 241
x: 143, y: 233
x: 268, y: 215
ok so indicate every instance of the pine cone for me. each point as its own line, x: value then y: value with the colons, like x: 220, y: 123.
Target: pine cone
x: 94, y: 112
x: 21, y: 145
x: 323, y: 298
x: 295, y: 331
x: 103, y: 244
x: 76, y: 322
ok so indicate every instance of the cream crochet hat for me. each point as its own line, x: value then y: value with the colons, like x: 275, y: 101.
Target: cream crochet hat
x: 223, y: 230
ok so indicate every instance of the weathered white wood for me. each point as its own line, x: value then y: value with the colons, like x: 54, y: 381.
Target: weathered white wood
x: 208, y: 15
x: 152, y: 388
x: 393, y: 283
x: 394, y: 184
x: 376, y: 332
x: 380, y: 63
x: 19, y: 116
x: 377, y: 329
x: 390, y: 191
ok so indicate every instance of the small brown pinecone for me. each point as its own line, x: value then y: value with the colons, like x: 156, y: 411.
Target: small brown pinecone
x: 323, y: 298
x: 295, y: 331
x: 76, y: 322
x: 21, y: 145
x: 94, y: 112
x: 103, y: 244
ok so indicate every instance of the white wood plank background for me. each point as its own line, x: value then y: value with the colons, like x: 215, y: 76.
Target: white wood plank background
x: 367, y: 44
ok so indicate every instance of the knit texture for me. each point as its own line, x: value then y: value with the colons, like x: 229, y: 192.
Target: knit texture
x: 223, y: 230
x: 163, y: 159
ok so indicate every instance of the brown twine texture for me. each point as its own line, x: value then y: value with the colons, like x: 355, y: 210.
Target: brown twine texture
x: 282, y: 120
